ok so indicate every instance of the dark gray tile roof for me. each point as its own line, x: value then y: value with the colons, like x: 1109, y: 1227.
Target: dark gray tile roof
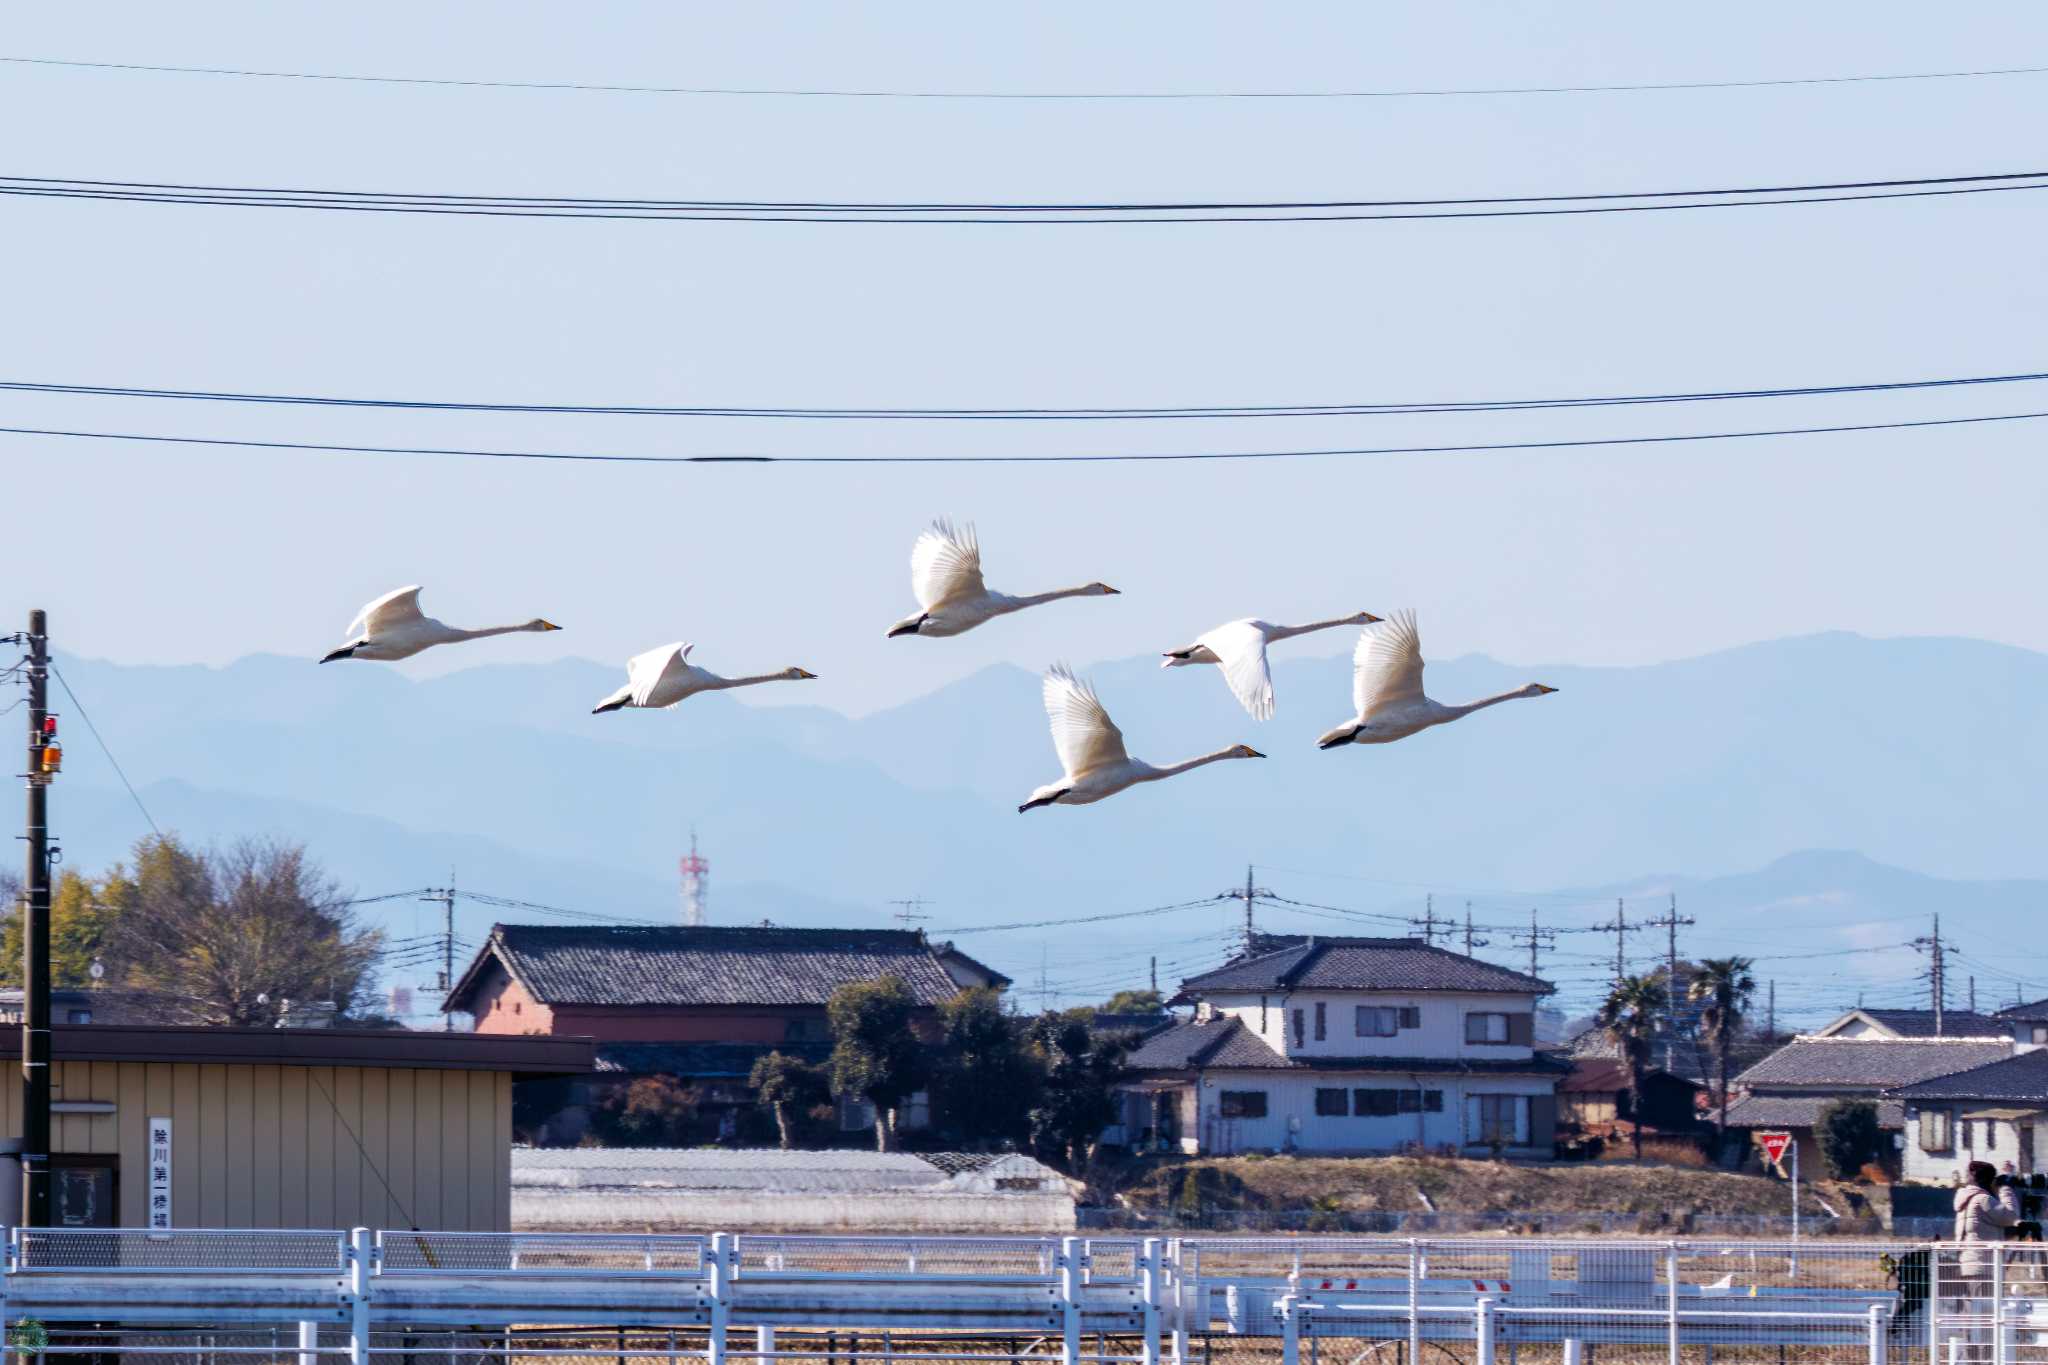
x: 1867, y: 1063
x: 1800, y: 1111
x: 1228, y: 1044
x: 2033, y: 1011
x: 2023, y: 1078
x: 1954, y: 1024
x: 662, y: 966
x: 705, y: 1061
x: 1359, y: 964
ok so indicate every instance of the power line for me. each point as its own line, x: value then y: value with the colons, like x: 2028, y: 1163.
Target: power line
x: 1012, y: 213
x: 1076, y: 919
x: 797, y: 92
x: 1018, y: 414
x: 114, y: 762
x: 1124, y: 457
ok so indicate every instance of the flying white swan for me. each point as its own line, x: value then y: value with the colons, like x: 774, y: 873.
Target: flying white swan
x: 1091, y: 748
x: 945, y: 577
x: 392, y: 627
x: 1386, y: 687
x: 665, y: 676
x: 1240, y: 648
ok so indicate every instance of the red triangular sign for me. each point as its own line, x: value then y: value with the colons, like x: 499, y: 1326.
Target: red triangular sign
x: 1774, y: 1145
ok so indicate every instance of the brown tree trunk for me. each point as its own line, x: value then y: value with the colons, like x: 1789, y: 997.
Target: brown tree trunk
x: 885, y: 1130
x: 781, y: 1108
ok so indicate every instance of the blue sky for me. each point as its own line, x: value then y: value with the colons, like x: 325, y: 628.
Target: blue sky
x: 166, y: 554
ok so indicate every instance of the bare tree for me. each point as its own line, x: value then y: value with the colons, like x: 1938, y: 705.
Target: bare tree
x: 228, y: 936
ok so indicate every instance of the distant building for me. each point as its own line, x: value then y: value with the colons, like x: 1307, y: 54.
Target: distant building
x: 1594, y: 1099
x: 1789, y: 1088
x: 1346, y: 1045
x: 1880, y: 1023
x: 697, y: 1003
x: 1997, y: 1112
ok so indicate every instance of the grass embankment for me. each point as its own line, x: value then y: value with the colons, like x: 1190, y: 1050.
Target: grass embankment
x: 1453, y: 1185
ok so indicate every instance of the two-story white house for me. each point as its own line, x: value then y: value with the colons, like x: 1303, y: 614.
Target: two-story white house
x: 1347, y: 1045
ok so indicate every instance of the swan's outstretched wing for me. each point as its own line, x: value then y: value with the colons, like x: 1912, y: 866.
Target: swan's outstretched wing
x: 945, y: 564
x: 1240, y: 647
x: 1082, y: 733
x: 645, y: 673
x: 399, y: 607
x: 1387, y: 665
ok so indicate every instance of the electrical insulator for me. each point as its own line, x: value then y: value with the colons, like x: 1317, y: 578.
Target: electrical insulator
x: 53, y: 758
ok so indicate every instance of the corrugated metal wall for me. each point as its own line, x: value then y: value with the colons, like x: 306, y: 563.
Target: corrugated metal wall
x: 296, y: 1146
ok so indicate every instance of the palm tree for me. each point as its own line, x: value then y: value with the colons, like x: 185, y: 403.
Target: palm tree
x: 1630, y: 1017
x: 1723, y: 988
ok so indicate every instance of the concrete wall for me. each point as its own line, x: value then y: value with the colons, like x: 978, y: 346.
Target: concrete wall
x: 768, y: 1211
x: 296, y: 1146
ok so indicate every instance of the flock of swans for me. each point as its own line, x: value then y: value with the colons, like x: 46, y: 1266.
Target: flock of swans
x: 945, y: 577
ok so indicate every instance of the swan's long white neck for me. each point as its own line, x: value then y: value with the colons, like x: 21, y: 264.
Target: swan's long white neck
x: 1015, y: 603
x: 746, y: 682
x: 1289, y: 632
x: 1469, y: 707
x: 481, y: 631
x: 1188, y: 765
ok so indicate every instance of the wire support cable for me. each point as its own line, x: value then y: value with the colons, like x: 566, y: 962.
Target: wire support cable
x: 797, y: 92
x: 1342, y: 409
x: 1084, y: 457
x: 115, y: 763
x: 991, y: 212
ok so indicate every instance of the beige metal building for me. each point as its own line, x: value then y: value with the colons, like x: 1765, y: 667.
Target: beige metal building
x: 254, y: 1127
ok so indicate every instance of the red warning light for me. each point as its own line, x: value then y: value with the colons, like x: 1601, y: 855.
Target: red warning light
x: 49, y: 725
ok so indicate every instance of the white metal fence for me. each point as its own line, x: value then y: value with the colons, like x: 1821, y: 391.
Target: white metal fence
x: 294, y: 1296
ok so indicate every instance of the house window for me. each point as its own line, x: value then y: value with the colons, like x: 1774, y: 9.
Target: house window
x: 1411, y: 1016
x: 1298, y: 1029
x: 1322, y: 1021
x: 1967, y: 1146
x: 798, y: 1030
x: 1375, y: 1103
x: 78, y: 1016
x: 1243, y: 1104
x: 2040, y: 1033
x: 1330, y: 1103
x: 1937, y: 1130
x: 1422, y: 1101
x: 1377, y: 1021
x: 1497, y: 1114
x: 1486, y: 1028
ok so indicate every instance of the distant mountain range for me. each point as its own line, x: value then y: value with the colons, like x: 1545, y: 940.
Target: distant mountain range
x: 1929, y: 754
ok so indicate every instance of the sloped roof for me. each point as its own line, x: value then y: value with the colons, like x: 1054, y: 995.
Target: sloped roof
x: 1359, y: 964
x: 704, y: 965
x: 1602, y: 1075
x: 2022, y: 1078
x: 2033, y: 1011
x: 1226, y: 1044
x: 1800, y: 1111
x: 1869, y: 1063
x: 1920, y: 1023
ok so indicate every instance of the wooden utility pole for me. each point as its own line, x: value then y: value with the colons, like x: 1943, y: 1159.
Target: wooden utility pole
x: 35, y: 966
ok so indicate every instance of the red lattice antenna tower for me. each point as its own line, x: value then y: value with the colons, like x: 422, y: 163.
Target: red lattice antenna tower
x: 696, y: 885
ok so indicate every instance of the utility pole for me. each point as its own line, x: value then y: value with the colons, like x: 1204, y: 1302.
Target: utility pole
x: 1429, y: 921
x: 444, y: 896
x: 1771, y: 1012
x: 1621, y: 929
x: 1155, y: 975
x: 1937, y: 975
x: 1669, y: 922
x: 43, y: 759
x: 1973, y: 993
x: 1471, y: 942
x: 1535, y: 939
x: 1248, y: 895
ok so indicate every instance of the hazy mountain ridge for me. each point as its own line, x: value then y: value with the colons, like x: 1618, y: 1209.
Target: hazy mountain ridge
x: 1922, y: 753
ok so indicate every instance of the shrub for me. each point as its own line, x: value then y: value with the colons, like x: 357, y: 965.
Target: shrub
x: 1849, y: 1137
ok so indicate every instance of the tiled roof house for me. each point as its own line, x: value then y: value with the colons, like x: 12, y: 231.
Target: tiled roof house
x: 1346, y: 1045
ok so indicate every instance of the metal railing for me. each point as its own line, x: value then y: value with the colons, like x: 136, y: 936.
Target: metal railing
x: 1107, y: 1300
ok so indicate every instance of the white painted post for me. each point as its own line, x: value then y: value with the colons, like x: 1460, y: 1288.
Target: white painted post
x: 1482, y: 1330
x: 1671, y: 1293
x: 1877, y: 1330
x: 1414, y: 1302
x: 1187, y: 1286
x: 309, y: 1343
x: 721, y: 1267
x: 1998, y: 1303
x: 764, y: 1344
x: 1150, y: 1273
x: 1574, y: 1351
x: 361, y: 1255
x: 1069, y: 1266
x: 1290, y: 1330
x: 1795, y: 1203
